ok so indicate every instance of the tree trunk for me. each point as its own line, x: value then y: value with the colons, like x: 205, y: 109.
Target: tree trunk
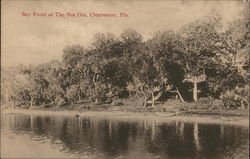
x: 195, y: 97
x: 177, y: 91
x: 31, y: 101
x: 153, y: 99
x: 242, y: 104
x: 13, y: 104
x: 96, y: 100
x: 140, y: 99
x: 158, y: 96
x: 180, y: 95
x: 79, y: 95
x: 145, y: 101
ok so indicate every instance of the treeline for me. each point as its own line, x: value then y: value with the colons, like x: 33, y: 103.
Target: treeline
x: 202, y: 59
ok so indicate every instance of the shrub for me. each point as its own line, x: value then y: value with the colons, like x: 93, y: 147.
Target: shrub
x: 101, y: 93
x: 72, y: 93
x: 237, y: 98
x: 60, y: 101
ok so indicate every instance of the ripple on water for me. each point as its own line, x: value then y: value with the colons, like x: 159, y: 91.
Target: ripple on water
x: 107, y: 139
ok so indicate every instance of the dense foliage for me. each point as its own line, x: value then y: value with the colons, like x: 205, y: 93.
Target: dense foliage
x: 200, y: 56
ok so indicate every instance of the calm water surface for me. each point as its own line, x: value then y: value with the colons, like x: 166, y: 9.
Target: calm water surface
x: 66, y: 137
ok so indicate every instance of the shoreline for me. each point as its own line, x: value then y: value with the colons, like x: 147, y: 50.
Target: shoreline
x: 122, y: 115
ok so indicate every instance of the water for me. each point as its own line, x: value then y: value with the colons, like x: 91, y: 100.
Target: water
x: 32, y: 136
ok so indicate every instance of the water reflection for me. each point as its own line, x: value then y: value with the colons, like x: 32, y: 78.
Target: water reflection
x: 131, y: 139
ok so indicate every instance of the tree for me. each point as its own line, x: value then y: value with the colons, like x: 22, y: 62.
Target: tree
x: 103, y: 61
x: 74, y: 71
x: 236, y: 89
x: 116, y: 75
x: 199, y: 52
x: 203, y: 49
x: 72, y: 55
x: 163, y: 48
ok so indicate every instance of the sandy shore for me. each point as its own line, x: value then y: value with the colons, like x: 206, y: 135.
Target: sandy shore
x: 159, y: 116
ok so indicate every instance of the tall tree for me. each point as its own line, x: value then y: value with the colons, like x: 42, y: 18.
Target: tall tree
x: 204, y: 49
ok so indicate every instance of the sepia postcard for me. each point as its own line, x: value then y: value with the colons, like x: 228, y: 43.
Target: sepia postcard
x: 125, y: 79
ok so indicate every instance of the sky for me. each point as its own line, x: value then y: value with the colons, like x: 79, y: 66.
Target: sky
x: 38, y: 39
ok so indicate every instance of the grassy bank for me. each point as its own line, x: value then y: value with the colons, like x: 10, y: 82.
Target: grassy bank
x: 232, y: 117
x: 131, y: 109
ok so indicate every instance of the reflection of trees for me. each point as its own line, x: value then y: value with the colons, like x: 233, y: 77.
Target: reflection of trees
x: 184, y: 140
x: 210, y: 139
x: 110, y: 138
x: 196, y: 137
x: 215, y: 140
x: 16, y: 123
x: 81, y: 135
x: 171, y: 141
